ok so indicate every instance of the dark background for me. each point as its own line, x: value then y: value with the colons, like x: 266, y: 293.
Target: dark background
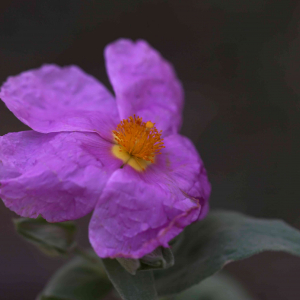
x: 239, y: 61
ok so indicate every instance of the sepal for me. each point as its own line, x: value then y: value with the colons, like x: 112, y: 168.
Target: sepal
x: 160, y: 258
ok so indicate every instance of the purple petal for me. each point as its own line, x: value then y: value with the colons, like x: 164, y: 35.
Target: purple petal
x: 145, y: 84
x: 53, y: 99
x: 137, y: 212
x: 181, y: 161
x: 57, y: 175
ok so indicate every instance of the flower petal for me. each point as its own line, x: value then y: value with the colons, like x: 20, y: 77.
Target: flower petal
x: 137, y: 212
x: 145, y: 84
x: 53, y: 99
x: 181, y: 161
x: 57, y: 175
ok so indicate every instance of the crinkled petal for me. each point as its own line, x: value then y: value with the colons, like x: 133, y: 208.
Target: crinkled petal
x: 145, y: 84
x: 57, y: 175
x: 137, y: 212
x: 53, y: 99
x: 181, y: 162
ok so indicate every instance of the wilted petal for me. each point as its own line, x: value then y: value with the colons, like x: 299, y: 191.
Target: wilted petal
x: 145, y: 84
x: 53, y: 99
x: 137, y: 212
x: 57, y: 175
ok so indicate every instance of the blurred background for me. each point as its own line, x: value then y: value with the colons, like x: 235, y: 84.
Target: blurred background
x: 239, y: 62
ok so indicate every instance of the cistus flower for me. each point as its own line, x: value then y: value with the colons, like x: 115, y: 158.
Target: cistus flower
x: 121, y: 157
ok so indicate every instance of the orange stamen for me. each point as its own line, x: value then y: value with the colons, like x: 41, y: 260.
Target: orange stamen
x: 139, y: 139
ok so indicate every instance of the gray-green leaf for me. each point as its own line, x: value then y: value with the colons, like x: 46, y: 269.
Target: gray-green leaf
x: 130, y: 287
x: 80, y: 279
x: 207, y: 246
x: 51, y: 238
x: 217, y: 287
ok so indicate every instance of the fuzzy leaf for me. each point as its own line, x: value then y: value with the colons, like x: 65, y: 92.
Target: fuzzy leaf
x: 80, y: 279
x: 217, y: 287
x: 130, y: 287
x: 51, y: 238
x: 207, y: 246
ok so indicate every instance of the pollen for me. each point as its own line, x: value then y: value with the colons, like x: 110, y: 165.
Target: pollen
x: 137, y: 141
x: 149, y: 124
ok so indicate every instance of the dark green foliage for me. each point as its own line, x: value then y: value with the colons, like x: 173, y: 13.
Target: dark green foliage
x: 83, y: 278
x: 51, y: 238
x: 223, y: 237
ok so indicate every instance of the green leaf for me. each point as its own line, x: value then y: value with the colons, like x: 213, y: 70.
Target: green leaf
x: 217, y: 287
x: 81, y: 279
x: 51, y: 238
x: 207, y: 246
x: 130, y: 287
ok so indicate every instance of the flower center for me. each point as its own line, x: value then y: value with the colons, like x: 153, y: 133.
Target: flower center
x: 137, y: 142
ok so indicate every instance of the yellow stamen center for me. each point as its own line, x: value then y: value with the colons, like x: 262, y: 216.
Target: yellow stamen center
x: 137, y: 142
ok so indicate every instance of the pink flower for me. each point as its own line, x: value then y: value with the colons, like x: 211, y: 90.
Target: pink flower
x: 122, y: 157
